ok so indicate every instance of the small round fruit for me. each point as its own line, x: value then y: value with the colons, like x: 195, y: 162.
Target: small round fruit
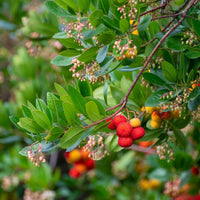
x: 90, y: 164
x: 119, y: 119
x: 84, y: 154
x: 137, y: 133
x: 125, y: 141
x: 111, y: 125
x: 135, y: 122
x: 74, y: 173
x: 175, y: 114
x: 155, y: 115
x: 166, y: 115
x: 124, y: 129
x: 150, y: 109
x: 155, y: 124
x: 145, y: 143
x: 154, y: 183
x: 131, y: 53
x: 80, y: 167
x: 144, y: 184
x: 74, y: 156
x: 194, y: 170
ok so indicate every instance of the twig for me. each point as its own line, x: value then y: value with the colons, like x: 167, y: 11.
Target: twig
x: 142, y: 149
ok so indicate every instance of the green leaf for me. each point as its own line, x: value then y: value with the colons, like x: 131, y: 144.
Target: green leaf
x: 196, y: 26
x: 85, y: 88
x: 110, y: 23
x: 70, y: 137
x: 70, y: 113
x: 175, y: 44
x: 180, y: 138
x: 62, y: 61
x: 182, y: 123
x: 70, y: 53
x: 43, y: 107
x: 93, y: 111
x: 82, y: 137
x: 183, y: 65
x: 154, y: 79
x: 104, y: 6
x: 88, y: 55
x: 144, y: 23
x: 192, y: 54
x: 124, y: 25
x: 55, y: 9
x: 95, y: 18
x: 106, y: 38
x: 155, y: 98
x: 169, y: 71
x: 61, y: 91
x: 26, y: 111
x: 194, y: 104
x: 51, y: 104
x: 41, y: 119
x: 151, y: 134
x: 138, y: 62
x: 102, y: 54
x: 77, y: 99
x: 182, y: 161
x: 113, y: 144
x: 30, y: 125
x: 70, y: 43
x: 64, y: 3
x: 15, y: 121
x: 84, y: 5
x: 55, y: 133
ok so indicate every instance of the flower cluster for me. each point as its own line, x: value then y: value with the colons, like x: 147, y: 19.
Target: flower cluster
x: 129, y: 9
x: 84, y: 71
x: 45, y: 195
x: 190, y: 38
x: 96, y: 147
x: 9, y: 181
x: 36, y: 156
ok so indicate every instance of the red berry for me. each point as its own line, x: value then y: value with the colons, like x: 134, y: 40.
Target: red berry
x: 73, y: 172
x: 119, y: 119
x: 66, y: 154
x: 124, y: 129
x: 137, y: 133
x: 197, y: 197
x: 166, y: 115
x: 125, y: 141
x: 111, y: 125
x: 195, y: 170
x: 89, y: 163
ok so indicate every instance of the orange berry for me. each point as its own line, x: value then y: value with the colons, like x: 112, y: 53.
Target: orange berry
x: 80, y: 167
x: 144, y: 184
x: 119, y: 119
x: 154, y: 183
x: 175, y: 114
x: 124, y: 129
x: 155, y: 115
x: 137, y: 133
x: 135, y: 122
x: 74, y: 156
x: 145, y: 143
x: 125, y: 141
x: 155, y: 124
x: 84, y: 154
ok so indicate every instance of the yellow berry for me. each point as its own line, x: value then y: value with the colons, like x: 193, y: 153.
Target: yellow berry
x: 155, y: 124
x: 144, y: 184
x: 150, y: 109
x: 135, y: 122
x: 154, y: 183
x: 131, y: 53
x: 175, y: 114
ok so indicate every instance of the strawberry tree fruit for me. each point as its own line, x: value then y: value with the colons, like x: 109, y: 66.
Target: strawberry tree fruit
x: 119, y: 119
x: 137, y: 133
x: 74, y: 173
x: 135, y: 122
x: 194, y: 171
x: 124, y: 129
x: 125, y: 141
x: 111, y: 125
x: 155, y: 124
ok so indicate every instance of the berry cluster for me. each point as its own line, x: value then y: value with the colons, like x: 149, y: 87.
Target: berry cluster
x: 81, y: 162
x: 127, y: 131
x: 158, y: 115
